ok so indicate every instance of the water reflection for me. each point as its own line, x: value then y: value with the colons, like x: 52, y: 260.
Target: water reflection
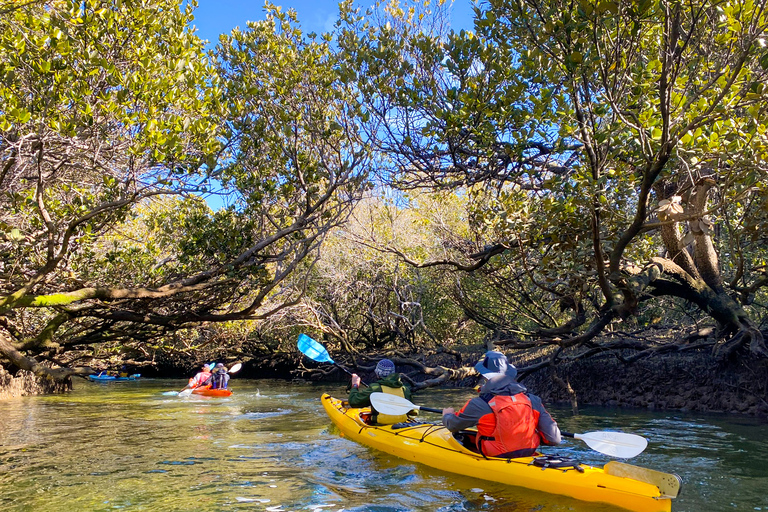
x: 128, y: 446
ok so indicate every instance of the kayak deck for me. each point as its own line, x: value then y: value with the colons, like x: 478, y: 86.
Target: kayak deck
x: 435, y: 446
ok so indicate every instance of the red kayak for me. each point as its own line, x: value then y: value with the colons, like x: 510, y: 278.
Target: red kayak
x: 205, y: 391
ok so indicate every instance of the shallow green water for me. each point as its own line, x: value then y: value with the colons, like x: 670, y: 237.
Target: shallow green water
x: 127, y: 446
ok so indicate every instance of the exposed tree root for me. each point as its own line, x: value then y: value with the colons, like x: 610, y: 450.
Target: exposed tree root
x: 747, y: 336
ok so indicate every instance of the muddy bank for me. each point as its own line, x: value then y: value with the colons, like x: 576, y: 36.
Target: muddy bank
x: 690, y: 382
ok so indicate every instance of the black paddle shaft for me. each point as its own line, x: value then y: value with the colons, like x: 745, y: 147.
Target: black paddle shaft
x: 337, y: 365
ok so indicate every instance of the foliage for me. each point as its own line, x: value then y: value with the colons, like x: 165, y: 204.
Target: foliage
x: 612, y: 150
x: 93, y: 121
x: 108, y: 106
x: 367, y: 299
x: 564, y: 167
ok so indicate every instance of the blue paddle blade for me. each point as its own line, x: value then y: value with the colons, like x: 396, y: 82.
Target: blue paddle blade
x: 313, y: 350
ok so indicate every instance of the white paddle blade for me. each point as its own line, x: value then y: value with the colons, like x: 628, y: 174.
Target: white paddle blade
x: 615, y: 444
x: 185, y: 392
x: 235, y: 368
x: 391, y: 404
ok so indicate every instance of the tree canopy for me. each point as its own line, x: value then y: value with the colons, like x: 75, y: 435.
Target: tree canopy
x: 562, y: 171
x: 615, y: 154
x: 108, y: 107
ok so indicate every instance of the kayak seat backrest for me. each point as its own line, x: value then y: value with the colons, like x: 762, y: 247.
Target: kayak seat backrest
x: 365, y: 417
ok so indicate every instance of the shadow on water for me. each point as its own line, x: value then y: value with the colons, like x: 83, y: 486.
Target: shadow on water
x: 128, y: 446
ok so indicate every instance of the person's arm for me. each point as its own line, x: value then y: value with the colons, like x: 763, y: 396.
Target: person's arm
x: 361, y: 397
x: 192, y: 382
x: 467, y: 417
x: 547, y: 426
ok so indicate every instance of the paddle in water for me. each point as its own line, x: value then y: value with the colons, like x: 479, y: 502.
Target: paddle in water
x: 316, y: 352
x: 615, y: 444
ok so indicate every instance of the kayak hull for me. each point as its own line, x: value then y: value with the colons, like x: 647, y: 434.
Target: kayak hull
x: 435, y: 446
x: 211, y: 392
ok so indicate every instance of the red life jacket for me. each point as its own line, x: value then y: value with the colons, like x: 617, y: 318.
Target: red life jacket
x: 511, y: 430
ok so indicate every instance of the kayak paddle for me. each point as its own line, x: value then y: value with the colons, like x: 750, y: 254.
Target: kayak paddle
x: 668, y: 483
x: 615, y: 444
x: 396, y: 405
x: 188, y: 391
x: 316, y: 352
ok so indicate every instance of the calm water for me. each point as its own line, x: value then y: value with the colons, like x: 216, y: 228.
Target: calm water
x: 270, y: 447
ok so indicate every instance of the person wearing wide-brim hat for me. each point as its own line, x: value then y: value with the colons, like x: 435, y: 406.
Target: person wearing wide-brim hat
x: 510, y: 421
x: 495, y: 362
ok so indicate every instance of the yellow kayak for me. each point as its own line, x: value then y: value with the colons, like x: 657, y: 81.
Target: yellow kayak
x: 623, y: 485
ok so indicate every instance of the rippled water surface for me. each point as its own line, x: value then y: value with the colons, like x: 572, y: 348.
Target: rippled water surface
x: 131, y: 446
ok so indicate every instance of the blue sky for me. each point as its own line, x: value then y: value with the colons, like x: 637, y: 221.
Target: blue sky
x: 215, y: 17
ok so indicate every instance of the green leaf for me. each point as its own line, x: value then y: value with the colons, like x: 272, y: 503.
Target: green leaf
x: 15, y: 235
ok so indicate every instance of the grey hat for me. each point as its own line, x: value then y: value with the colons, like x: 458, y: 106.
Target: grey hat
x: 494, y: 363
x: 384, y: 368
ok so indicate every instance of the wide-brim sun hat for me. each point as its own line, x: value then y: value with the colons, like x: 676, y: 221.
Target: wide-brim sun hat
x: 495, y: 363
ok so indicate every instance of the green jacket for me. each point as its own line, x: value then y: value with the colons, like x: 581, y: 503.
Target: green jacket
x: 362, y: 397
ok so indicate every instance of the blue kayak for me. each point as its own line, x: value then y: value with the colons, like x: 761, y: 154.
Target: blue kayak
x: 103, y: 377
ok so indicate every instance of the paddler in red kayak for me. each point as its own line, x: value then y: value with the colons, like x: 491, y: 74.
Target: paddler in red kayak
x: 203, y: 378
x: 220, y: 377
x: 510, y: 421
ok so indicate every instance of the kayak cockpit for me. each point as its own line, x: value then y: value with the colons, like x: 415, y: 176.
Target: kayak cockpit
x: 467, y: 439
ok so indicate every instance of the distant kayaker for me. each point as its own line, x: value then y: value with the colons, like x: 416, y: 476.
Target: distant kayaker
x: 388, y: 382
x: 220, y: 377
x: 510, y: 421
x: 202, y: 378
